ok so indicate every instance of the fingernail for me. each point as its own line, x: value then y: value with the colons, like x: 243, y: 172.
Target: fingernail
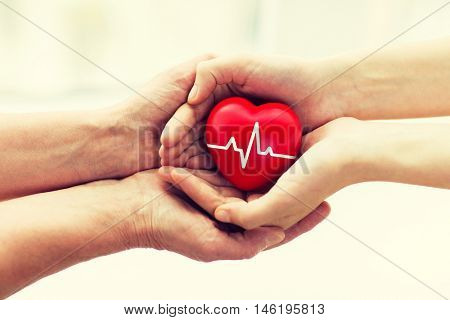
x: 193, y: 93
x: 223, y: 216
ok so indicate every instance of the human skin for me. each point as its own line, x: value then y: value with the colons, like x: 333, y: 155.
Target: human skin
x: 54, y: 230
x: 44, y: 233
x: 53, y: 150
x: 343, y: 152
x: 398, y: 82
x: 406, y: 81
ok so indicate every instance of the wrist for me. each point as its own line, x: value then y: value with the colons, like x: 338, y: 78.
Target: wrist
x: 116, y: 144
x: 137, y: 228
x: 370, y: 149
x: 340, y: 88
x: 351, y: 152
x: 327, y: 96
x: 135, y: 131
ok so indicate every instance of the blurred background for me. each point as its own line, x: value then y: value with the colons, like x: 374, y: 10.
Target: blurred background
x: 133, y: 40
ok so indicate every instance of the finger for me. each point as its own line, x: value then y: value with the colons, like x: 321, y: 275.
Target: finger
x: 188, y: 117
x: 254, y: 196
x: 313, y: 137
x: 183, y: 121
x: 248, y: 244
x: 256, y: 213
x: 193, y: 150
x: 202, y: 161
x: 215, y: 72
x: 185, y: 142
x: 219, y: 183
x: 285, y: 204
x: 306, y: 224
x: 222, y: 187
x: 212, y: 177
x: 185, y: 70
x: 200, y: 191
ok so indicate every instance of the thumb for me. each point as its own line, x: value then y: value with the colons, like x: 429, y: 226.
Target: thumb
x: 264, y: 211
x: 212, y: 73
x: 295, y: 194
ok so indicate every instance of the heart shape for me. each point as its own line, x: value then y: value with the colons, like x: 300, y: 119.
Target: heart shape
x: 252, y: 146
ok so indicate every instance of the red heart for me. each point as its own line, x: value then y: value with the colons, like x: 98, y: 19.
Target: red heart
x: 252, y: 145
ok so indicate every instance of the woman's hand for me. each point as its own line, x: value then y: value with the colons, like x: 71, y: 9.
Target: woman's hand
x: 283, y: 79
x: 344, y: 152
x: 328, y: 163
x: 406, y: 81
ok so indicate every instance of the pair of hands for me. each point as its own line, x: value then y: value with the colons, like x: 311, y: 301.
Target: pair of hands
x: 322, y: 170
x: 174, y: 220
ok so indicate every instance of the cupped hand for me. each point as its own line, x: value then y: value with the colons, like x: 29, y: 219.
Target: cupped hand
x: 331, y: 160
x: 269, y: 78
x: 272, y: 78
x: 166, y: 219
x: 143, y: 116
x: 211, y: 191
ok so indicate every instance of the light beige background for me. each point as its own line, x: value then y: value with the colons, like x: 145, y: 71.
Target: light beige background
x: 133, y: 40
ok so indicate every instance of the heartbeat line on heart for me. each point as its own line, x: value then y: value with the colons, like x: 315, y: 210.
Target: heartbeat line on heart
x: 244, y: 156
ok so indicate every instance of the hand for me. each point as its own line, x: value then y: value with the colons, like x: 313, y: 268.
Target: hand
x: 209, y: 190
x: 104, y: 217
x: 169, y: 221
x: 143, y: 116
x: 331, y: 160
x: 216, y: 79
x: 283, y: 79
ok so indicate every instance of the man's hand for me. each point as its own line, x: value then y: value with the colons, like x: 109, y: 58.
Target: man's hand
x: 58, y: 229
x: 48, y: 151
x: 143, y: 116
x: 170, y: 221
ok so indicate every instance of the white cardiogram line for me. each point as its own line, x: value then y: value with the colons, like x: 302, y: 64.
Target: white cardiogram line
x: 244, y: 157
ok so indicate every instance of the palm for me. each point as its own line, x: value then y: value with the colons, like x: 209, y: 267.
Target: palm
x: 170, y: 221
x: 268, y: 79
x: 209, y: 190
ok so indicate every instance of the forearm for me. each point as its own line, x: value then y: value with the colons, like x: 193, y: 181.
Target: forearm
x: 46, y: 151
x: 407, y: 153
x: 42, y: 234
x: 404, y: 81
